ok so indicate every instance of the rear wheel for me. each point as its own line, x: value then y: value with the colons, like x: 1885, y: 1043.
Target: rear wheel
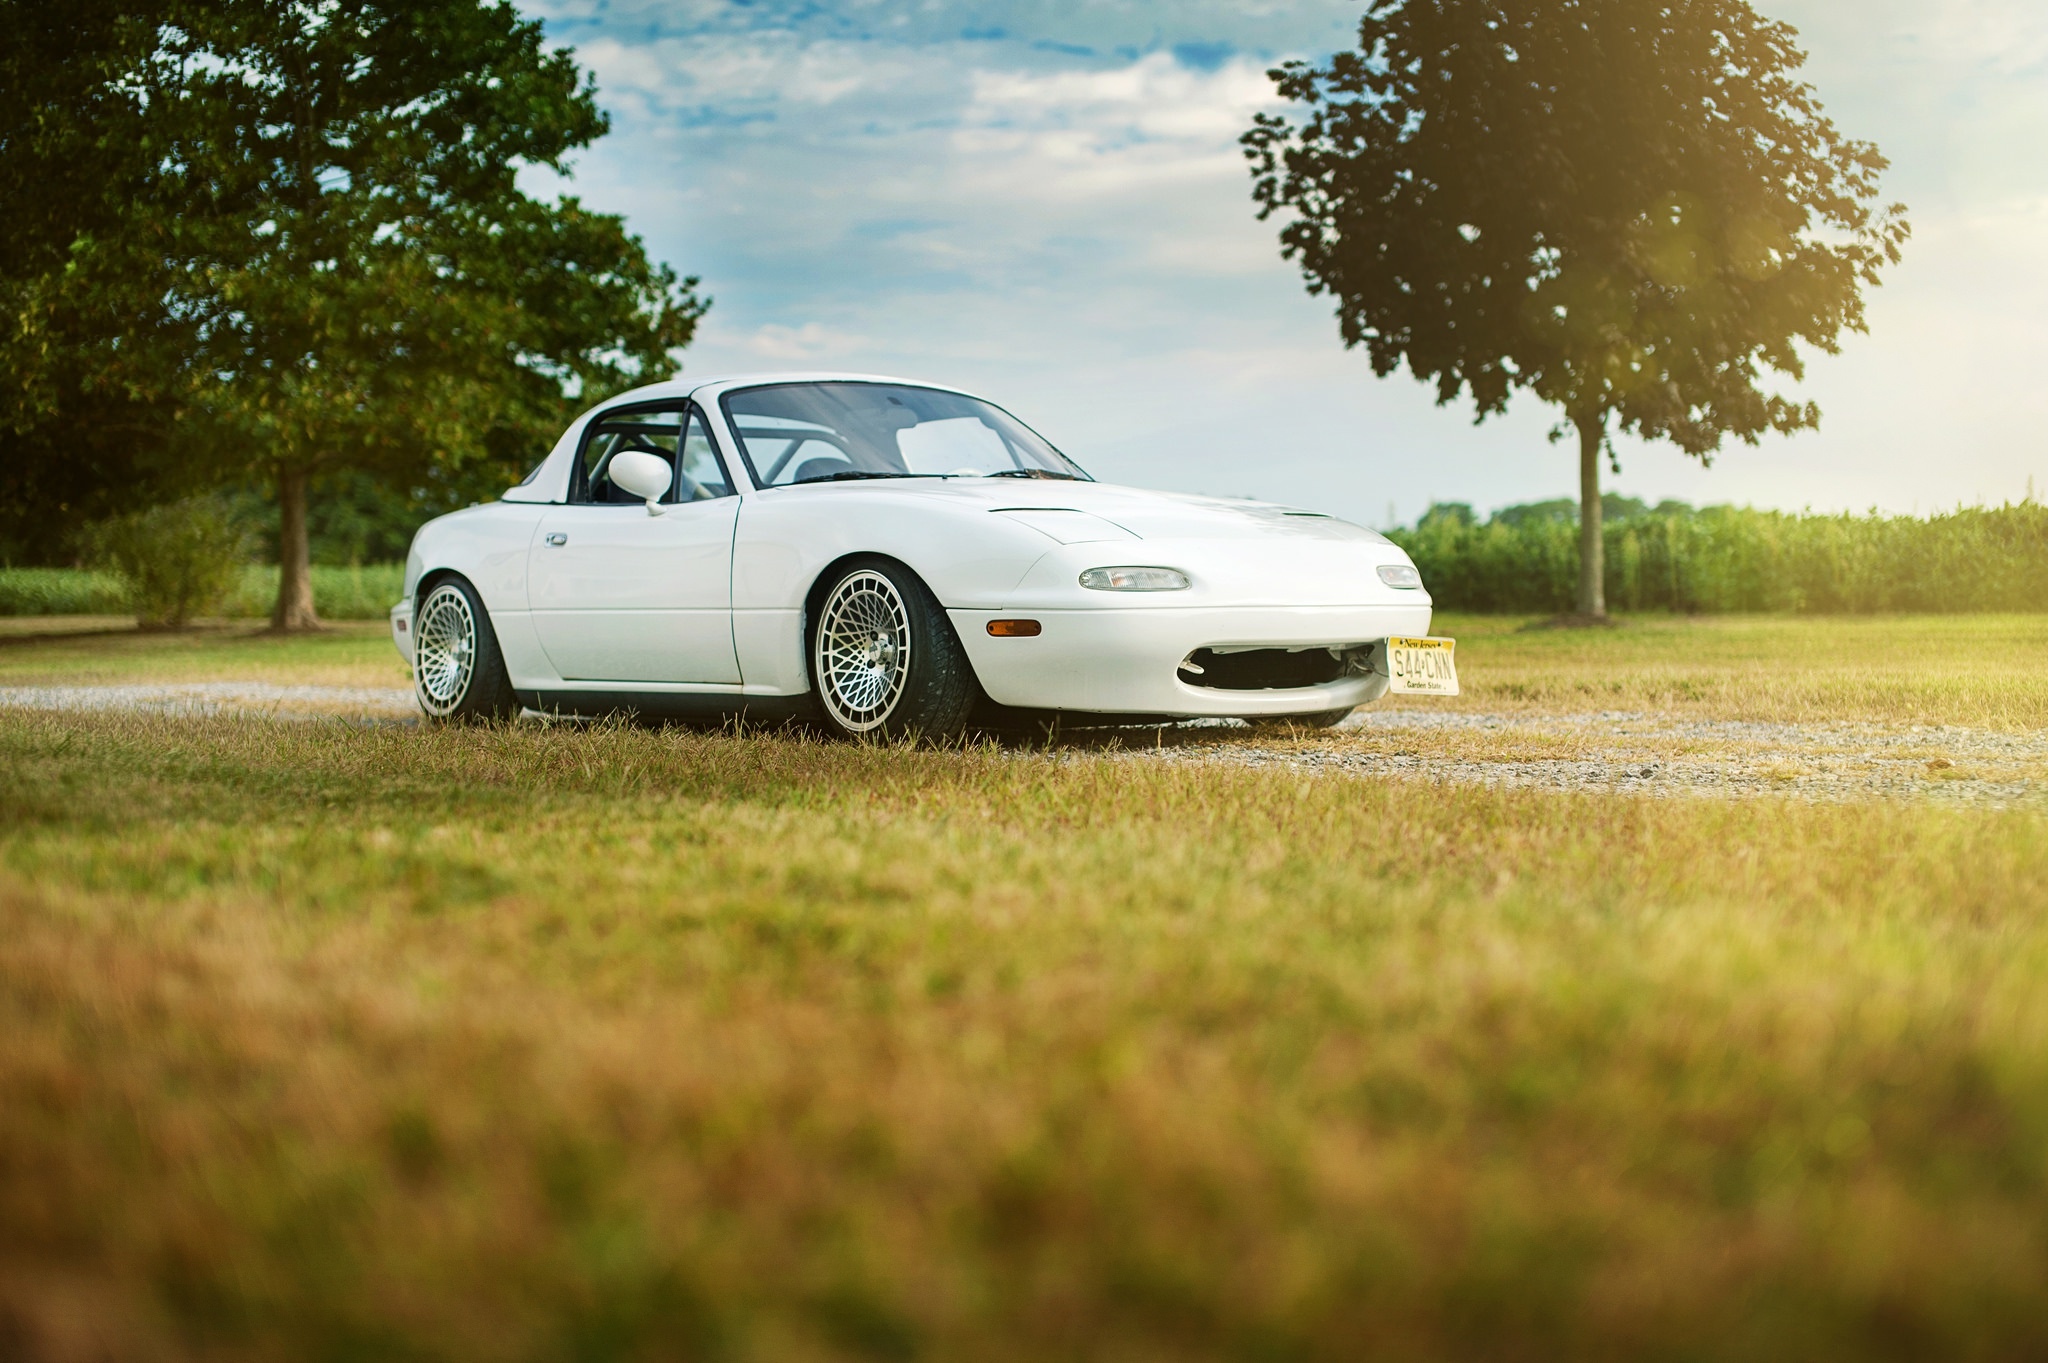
x: 885, y: 660
x: 457, y: 671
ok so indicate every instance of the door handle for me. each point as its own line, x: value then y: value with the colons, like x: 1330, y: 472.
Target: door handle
x: 558, y: 539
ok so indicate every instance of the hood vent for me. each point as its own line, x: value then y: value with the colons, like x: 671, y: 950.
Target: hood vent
x: 1064, y: 524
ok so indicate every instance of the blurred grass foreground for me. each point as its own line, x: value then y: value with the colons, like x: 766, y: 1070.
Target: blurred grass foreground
x: 554, y: 1042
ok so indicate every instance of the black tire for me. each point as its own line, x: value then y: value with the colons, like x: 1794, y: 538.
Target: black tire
x: 885, y: 662
x: 458, y: 672
x: 1319, y: 719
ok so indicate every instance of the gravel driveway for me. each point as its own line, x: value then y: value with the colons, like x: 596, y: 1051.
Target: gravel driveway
x: 223, y: 698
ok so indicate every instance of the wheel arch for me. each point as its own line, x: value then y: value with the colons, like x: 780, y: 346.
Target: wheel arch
x: 487, y: 693
x: 814, y: 595
x: 814, y: 600
x: 434, y: 577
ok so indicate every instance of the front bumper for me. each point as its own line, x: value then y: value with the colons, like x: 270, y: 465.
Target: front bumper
x: 401, y: 630
x: 1126, y: 660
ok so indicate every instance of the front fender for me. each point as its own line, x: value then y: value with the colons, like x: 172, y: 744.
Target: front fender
x: 969, y: 557
x: 788, y: 537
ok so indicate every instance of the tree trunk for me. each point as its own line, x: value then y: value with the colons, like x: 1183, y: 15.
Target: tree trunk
x: 294, y: 611
x: 1592, y: 549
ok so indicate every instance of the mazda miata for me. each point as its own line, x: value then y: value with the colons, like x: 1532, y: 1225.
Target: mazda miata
x: 890, y: 558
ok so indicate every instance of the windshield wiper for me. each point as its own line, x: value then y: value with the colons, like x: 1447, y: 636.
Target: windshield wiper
x: 851, y: 475
x: 1053, y: 474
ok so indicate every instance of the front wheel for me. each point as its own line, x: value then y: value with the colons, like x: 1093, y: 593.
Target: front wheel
x: 885, y: 660
x: 457, y: 671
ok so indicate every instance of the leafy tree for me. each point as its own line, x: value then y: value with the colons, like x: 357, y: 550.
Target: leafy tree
x: 1629, y: 208
x: 1459, y: 514
x: 359, y: 280
x: 177, y: 560
x: 1556, y: 510
x: 82, y: 430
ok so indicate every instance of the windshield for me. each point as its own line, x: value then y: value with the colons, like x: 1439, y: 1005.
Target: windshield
x: 830, y: 432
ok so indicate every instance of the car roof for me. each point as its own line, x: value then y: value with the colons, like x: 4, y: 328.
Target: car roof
x: 710, y: 385
x: 550, y: 481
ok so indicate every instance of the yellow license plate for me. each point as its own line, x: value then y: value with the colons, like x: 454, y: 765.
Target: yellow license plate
x: 1423, y: 667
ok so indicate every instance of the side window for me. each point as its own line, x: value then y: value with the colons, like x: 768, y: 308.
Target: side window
x: 704, y: 475
x: 651, y: 430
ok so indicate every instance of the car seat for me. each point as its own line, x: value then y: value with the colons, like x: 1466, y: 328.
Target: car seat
x: 823, y: 466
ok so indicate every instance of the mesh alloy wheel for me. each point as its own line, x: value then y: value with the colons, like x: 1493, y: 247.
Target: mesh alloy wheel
x: 444, y: 650
x: 863, y: 652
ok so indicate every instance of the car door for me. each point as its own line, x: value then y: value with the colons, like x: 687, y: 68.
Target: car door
x: 620, y: 595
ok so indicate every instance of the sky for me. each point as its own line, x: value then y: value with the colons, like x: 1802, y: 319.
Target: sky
x: 1043, y: 201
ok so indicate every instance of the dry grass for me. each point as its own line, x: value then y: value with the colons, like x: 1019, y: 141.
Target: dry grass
x: 1988, y: 671
x: 1648, y: 753
x: 549, y: 1043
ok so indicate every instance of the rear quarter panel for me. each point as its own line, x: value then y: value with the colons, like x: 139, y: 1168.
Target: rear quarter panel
x: 488, y: 545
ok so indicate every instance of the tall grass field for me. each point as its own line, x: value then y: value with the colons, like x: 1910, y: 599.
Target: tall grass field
x: 1733, y: 559
x: 363, y: 592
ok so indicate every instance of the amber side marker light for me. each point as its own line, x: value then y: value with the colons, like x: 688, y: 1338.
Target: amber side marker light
x: 1015, y: 629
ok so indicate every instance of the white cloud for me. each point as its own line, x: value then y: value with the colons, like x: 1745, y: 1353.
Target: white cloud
x: 2001, y: 37
x: 620, y: 67
x: 1154, y: 96
x: 1123, y: 132
x: 810, y: 343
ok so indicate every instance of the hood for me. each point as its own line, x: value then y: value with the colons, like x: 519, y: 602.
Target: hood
x: 1140, y: 512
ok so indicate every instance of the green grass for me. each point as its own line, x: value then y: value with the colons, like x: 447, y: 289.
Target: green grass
x: 366, y: 592
x: 60, y: 591
x: 89, y: 652
x: 558, y: 1042
x: 339, y: 593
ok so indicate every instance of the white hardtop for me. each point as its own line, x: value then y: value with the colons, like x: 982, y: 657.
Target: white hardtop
x: 550, y: 482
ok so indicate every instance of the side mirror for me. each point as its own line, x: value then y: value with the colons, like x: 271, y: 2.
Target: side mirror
x: 642, y: 474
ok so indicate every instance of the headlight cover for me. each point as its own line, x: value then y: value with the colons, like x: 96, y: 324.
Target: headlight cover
x: 1402, y: 576
x: 1135, y: 579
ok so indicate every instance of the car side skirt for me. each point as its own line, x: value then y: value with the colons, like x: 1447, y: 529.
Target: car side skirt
x: 682, y: 707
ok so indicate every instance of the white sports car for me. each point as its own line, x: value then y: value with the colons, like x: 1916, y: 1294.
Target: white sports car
x: 890, y: 558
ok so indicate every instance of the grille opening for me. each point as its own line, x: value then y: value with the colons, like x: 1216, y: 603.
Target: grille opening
x: 1273, y: 669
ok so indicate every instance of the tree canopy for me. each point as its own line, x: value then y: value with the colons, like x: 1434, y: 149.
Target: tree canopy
x: 79, y: 429
x: 1632, y: 209
x: 344, y: 271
